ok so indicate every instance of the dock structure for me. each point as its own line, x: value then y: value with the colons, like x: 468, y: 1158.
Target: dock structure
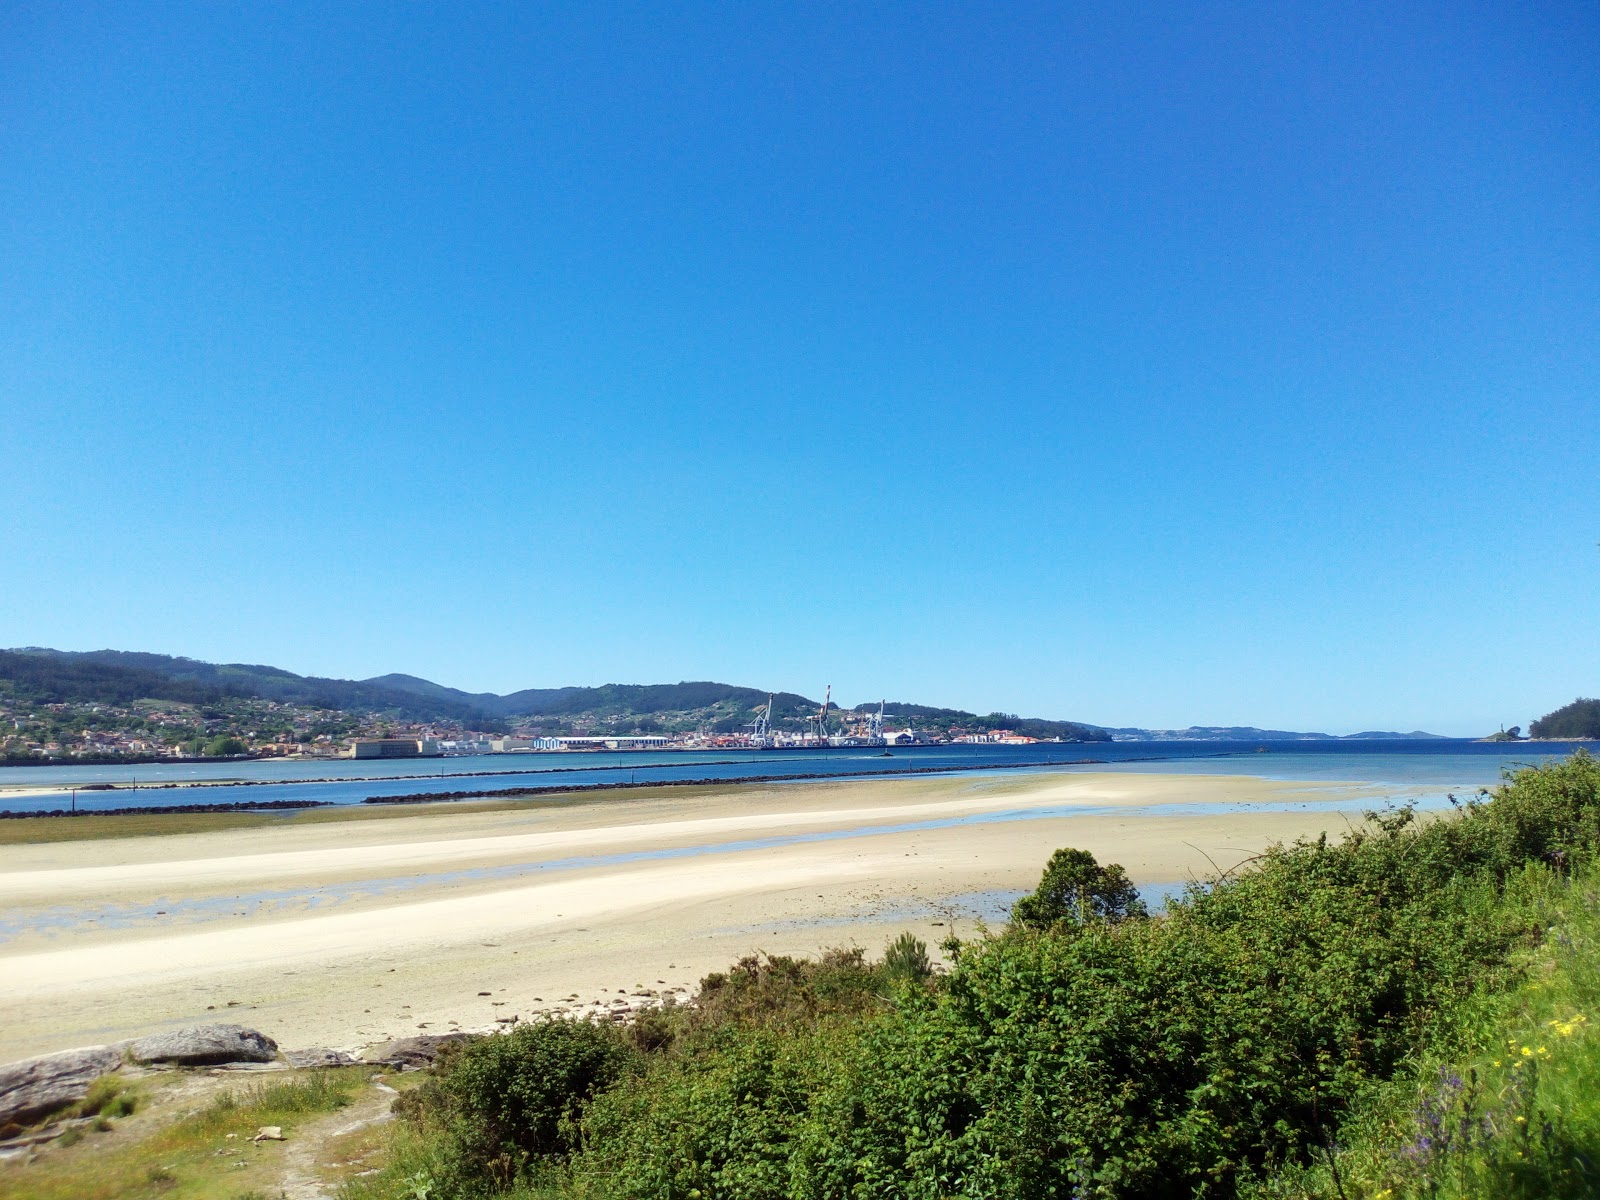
x: 596, y: 741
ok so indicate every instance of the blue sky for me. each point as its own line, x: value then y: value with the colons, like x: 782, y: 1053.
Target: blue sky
x: 1149, y: 365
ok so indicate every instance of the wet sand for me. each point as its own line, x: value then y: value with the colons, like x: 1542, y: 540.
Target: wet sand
x: 343, y: 932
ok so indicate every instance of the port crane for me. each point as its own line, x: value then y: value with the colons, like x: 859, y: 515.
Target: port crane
x: 761, y: 728
x: 821, y: 736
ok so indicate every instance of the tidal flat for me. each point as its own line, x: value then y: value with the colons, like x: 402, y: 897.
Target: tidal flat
x: 343, y: 927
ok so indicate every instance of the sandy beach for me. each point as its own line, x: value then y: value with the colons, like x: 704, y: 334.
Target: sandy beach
x: 345, y: 928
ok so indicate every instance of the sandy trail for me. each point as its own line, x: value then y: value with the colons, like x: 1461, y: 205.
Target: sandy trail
x: 345, y: 932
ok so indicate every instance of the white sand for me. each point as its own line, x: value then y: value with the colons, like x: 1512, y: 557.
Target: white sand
x: 514, y: 916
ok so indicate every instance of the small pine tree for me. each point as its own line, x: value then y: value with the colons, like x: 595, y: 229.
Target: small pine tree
x: 907, y: 958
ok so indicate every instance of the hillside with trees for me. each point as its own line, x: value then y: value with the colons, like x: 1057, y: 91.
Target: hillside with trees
x: 1580, y: 719
x: 88, y: 705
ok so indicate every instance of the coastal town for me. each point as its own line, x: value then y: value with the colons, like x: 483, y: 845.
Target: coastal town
x: 148, y: 730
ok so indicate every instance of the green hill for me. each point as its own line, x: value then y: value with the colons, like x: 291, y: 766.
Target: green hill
x: 45, y: 676
x: 1580, y: 719
x: 117, y: 676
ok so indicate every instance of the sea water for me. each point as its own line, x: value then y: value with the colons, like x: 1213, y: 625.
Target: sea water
x: 1420, y: 771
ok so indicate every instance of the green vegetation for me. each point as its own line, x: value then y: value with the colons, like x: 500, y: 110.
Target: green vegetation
x: 174, y: 1153
x: 1288, y: 1030
x: 1076, y: 890
x: 906, y: 959
x: 1580, y: 719
x: 109, y: 1096
x: 1508, y: 1107
x: 504, y: 1104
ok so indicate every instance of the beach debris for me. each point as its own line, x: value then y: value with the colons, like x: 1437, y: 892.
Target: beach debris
x: 205, y: 1045
x: 269, y: 1133
x: 36, y: 1087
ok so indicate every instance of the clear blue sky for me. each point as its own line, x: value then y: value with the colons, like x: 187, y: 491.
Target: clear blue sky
x: 1139, y: 364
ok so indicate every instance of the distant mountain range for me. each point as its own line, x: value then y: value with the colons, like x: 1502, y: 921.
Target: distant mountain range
x: 1249, y: 733
x: 119, y: 676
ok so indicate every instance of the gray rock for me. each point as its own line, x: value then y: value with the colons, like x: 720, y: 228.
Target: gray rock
x: 411, y: 1053
x: 36, y: 1087
x: 317, y: 1056
x: 204, y: 1045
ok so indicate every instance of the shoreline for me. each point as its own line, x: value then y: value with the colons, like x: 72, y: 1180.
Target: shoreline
x: 536, y: 790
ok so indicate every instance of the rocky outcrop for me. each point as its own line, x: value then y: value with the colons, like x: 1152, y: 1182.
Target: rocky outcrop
x: 318, y: 1056
x: 37, y: 1087
x: 411, y: 1053
x: 205, y: 1045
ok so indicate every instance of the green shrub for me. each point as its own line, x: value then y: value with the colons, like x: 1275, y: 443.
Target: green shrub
x: 504, y: 1102
x: 1076, y: 890
x: 766, y: 990
x: 1507, y: 1105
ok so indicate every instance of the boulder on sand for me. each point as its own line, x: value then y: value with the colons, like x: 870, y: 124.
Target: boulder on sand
x: 37, y: 1087
x: 205, y: 1045
x: 411, y: 1053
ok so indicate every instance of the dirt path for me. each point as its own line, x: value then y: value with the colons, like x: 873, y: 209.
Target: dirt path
x: 326, y: 1150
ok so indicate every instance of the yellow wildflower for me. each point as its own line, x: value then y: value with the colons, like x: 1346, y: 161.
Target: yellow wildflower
x: 1526, y: 1052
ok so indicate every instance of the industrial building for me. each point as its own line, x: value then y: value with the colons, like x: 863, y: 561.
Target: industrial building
x: 395, y: 748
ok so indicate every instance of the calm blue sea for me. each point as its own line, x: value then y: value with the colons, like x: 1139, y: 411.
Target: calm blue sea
x: 1423, y: 771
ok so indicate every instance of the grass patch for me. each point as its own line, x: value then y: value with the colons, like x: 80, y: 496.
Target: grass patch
x: 109, y: 1096
x: 202, y: 1155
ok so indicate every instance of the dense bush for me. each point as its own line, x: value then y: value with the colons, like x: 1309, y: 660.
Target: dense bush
x: 502, y: 1103
x: 1077, y: 890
